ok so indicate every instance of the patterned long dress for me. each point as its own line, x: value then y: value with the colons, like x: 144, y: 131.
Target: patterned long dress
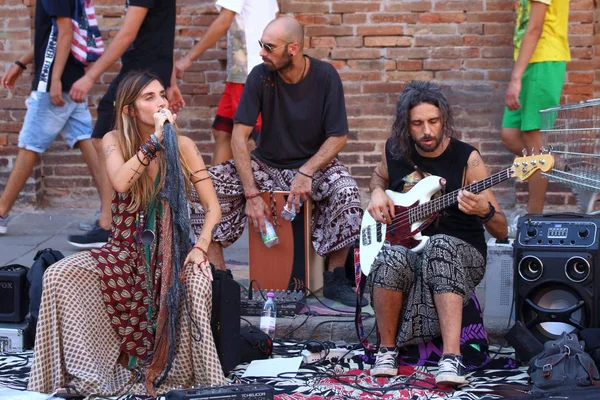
x: 98, y: 311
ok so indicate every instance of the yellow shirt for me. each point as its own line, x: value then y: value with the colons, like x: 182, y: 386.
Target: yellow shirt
x: 553, y: 44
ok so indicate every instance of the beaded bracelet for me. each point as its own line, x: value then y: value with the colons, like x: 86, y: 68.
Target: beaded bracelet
x: 149, y: 149
x: 156, y: 142
x: 304, y: 174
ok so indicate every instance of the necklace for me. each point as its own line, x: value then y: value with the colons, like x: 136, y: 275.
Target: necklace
x: 303, y: 69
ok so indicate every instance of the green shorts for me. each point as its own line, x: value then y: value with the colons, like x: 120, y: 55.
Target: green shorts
x: 541, y: 87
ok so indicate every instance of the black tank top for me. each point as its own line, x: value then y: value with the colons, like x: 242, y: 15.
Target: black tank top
x: 450, y: 165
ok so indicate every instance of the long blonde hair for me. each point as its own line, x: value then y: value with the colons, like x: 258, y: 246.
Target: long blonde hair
x: 130, y: 139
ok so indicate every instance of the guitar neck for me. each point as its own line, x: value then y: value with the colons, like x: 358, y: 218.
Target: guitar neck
x: 429, y: 208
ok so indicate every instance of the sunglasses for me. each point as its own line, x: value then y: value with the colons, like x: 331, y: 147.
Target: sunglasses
x: 269, y: 47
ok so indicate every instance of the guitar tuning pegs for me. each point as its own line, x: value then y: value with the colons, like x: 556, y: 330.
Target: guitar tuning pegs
x: 533, y: 151
x: 524, y: 152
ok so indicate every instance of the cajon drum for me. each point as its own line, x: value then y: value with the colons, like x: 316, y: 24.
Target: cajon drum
x: 291, y: 263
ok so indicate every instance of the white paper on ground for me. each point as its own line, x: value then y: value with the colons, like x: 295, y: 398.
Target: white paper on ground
x: 271, y: 367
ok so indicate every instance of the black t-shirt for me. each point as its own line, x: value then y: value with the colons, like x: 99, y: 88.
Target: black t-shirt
x: 153, y: 46
x: 450, y: 165
x: 45, y: 41
x: 296, y: 118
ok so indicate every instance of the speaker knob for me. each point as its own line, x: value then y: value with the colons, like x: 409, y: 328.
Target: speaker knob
x: 583, y: 232
x: 531, y: 232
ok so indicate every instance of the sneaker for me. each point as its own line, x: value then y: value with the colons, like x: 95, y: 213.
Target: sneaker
x: 337, y: 287
x: 91, y: 223
x: 3, y: 225
x: 93, y: 239
x: 452, y: 371
x: 386, y: 363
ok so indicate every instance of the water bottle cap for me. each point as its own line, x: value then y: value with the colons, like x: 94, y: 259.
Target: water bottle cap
x: 270, y: 294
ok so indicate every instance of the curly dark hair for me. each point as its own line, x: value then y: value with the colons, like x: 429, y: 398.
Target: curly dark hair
x: 415, y: 93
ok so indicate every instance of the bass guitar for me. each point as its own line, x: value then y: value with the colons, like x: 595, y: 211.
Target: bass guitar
x: 415, y: 210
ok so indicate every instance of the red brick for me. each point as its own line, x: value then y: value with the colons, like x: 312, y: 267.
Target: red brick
x: 439, y: 65
x: 296, y: 7
x: 355, y: 53
x: 323, y: 41
x: 355, y: 19
x: 580, y: 77
x: 408, y: 6
x: 434, y: 18
x: 352, y: 7
x: 349, y: 41
x: 406, y: 18
x: 324, y: 30
x: 380, y: 30
x: 406, y: 76
x: 410, y: 65
x: 319, y: 19
x: 438, y: 41
x: 388, y: 41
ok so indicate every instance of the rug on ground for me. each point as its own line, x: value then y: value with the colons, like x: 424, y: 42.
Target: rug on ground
x: 345, y: 378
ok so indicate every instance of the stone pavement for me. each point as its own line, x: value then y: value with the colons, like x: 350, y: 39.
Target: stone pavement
x: 33, y: 229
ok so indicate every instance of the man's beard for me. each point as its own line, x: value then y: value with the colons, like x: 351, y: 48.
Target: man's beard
x: 286, y: 63
x: 430, y: 148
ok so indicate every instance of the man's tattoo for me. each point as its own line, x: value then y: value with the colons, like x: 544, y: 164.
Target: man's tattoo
x: 108, y: 150
x: 203, y: 241
x: 475, y: 162
x: 207, y: 210
x: 197, y: 151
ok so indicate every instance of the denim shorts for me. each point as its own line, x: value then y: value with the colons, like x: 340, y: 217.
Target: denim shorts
x: 44, y: 121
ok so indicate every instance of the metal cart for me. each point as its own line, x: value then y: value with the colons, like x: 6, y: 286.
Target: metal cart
x: 572, y: 133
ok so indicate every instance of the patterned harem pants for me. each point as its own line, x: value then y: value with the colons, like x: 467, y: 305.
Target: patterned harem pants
x: 446, y: 265
x: 77, y: 345
x: 336, y: 217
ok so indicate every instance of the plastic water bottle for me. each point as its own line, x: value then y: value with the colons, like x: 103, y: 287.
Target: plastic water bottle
x: 268, y: 318
x: 269, y: 236
x: 290, y: 213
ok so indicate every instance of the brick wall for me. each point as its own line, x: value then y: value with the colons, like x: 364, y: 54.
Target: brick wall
x: 376, y: 45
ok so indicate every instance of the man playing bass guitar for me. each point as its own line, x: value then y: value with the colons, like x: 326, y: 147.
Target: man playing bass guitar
x: 419, y: 296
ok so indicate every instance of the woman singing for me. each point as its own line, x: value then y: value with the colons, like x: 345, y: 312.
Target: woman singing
x: 135, y: 315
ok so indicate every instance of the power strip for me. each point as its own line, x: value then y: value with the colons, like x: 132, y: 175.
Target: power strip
x: 310, y: 358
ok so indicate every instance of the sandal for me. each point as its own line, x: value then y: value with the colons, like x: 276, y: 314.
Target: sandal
x: 68, y: 392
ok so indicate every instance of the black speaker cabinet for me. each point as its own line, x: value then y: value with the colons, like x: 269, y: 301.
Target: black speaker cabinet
x: 556, y: 277
x: 14, y: 299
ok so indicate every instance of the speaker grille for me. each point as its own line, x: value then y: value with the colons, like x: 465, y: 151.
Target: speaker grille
x: 554, y: 298
x: 7, y: 294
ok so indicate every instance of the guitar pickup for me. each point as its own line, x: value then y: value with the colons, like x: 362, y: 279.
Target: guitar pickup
x: 366, y: 236
x: 378, y: 233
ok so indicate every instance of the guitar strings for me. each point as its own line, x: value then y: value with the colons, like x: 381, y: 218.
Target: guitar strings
x: 429, y: 208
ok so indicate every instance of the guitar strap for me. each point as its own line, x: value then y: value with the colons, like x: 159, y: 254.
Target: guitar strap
x: 358, y: 321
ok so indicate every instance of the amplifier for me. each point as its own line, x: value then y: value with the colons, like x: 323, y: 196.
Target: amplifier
x: 233, y: 392
x: 288, y: 303
x: 14, y: 304
x: 567, y: 230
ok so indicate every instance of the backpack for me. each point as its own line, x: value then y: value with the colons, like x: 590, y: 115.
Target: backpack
x: 562, y: 365
x: 42, y: 260
x: 87, y: 45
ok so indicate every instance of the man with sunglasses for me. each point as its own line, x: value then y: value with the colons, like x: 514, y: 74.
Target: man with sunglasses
x: 244, y: 21
x: 304, y: 127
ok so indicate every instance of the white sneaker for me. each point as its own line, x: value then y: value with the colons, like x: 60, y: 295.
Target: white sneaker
x: 3, y: 225
x: 386, y: 363
x: 452, y: 371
